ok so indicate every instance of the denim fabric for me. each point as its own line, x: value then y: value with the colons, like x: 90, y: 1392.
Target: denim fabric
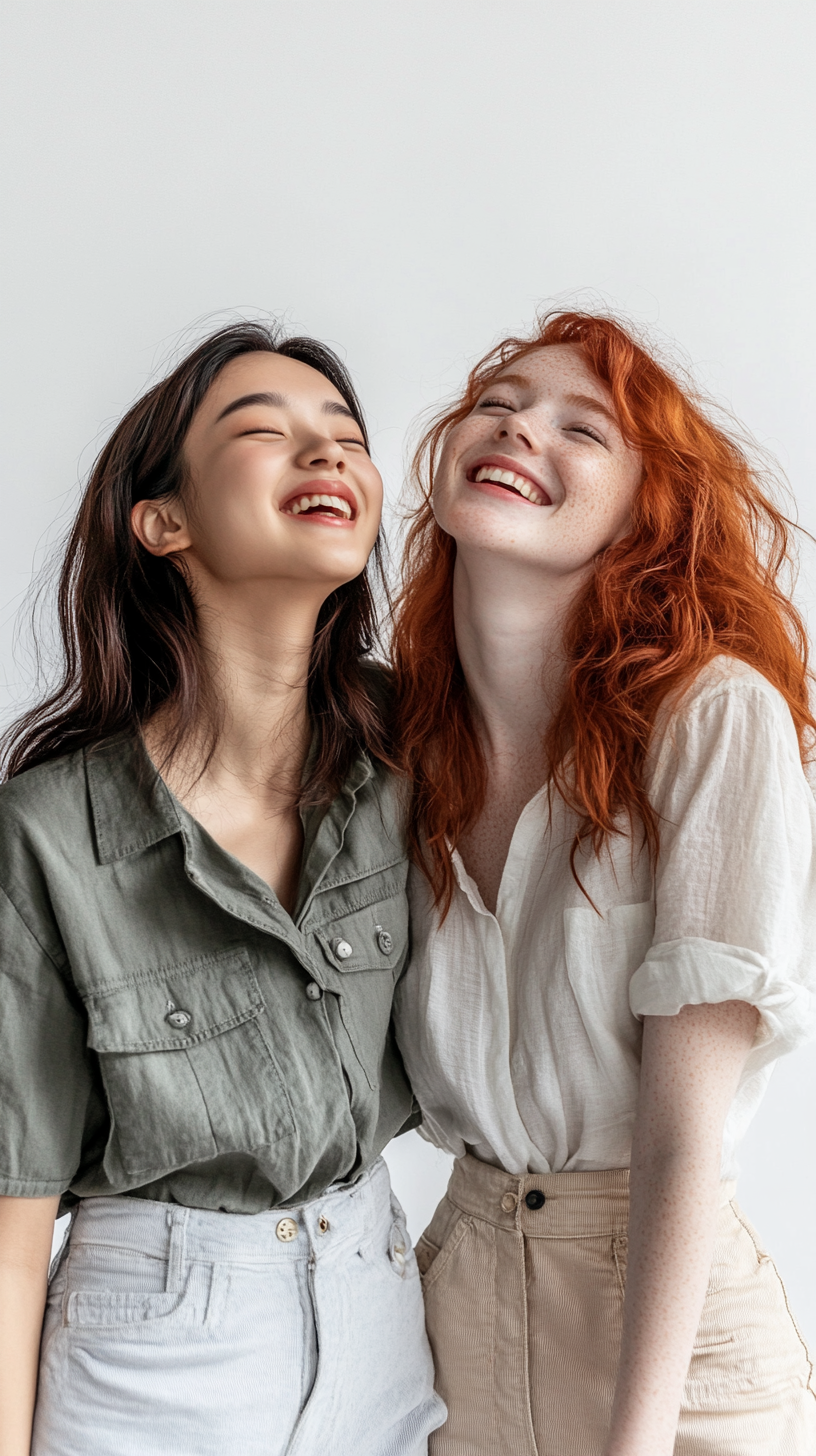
x: 184, y: 1332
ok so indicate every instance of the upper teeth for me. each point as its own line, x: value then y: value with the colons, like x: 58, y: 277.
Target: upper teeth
x: 305, y: 502
x: 520, y: 483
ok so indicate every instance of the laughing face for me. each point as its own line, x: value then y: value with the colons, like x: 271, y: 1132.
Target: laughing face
x: 281, y: 483
x: 539, y: 470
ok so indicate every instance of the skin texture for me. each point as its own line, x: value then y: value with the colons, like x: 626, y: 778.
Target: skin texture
x: 26, y: 1230
x: 519, y: 566
x: 518, y: 569
x: 259, y: 576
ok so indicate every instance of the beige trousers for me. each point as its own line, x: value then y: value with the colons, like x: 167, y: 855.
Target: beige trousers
x: 524, y: 1310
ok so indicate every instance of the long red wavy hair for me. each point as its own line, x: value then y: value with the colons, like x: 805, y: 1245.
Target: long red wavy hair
x: 703, y: 571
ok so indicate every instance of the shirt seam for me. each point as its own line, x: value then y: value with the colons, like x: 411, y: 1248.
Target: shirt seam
x: 57, y: 967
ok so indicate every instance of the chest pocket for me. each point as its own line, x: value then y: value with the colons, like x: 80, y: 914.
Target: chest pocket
x: 368, y: 948
x: 187, y: 1071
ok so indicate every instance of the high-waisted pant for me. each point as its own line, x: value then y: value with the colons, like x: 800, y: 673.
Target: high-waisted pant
x: 524, y: 1310
x: 181, y: 1332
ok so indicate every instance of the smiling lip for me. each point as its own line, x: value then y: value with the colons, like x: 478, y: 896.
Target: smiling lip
x: 501, y: 474
x: 327, y: 502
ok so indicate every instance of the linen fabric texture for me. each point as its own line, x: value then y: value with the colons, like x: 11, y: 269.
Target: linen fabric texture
x: 166, y: 1028
x: 524, y: 1309
x: 194, y: 1332
x: 521, y: 1031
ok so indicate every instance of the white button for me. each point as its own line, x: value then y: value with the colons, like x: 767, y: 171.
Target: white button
x: 287, y: 1230
x: 313, y: 991
x: 178, y: 1019
x: 343, y: 950
x: 508, y: 1202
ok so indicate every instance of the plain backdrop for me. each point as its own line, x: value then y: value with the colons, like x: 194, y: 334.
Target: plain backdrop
x: 409, y: 181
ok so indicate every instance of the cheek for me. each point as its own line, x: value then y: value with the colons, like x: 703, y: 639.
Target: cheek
x: 601, y: 508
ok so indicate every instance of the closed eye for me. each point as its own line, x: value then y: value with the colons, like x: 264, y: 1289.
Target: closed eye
x: 495, y: 404
x: 586, y: 430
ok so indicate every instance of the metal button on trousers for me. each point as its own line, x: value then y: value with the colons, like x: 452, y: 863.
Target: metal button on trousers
x: 182, y: 1330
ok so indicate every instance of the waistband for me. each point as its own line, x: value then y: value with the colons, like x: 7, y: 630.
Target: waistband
x: 169, y: 1231
x: 548, y: 1205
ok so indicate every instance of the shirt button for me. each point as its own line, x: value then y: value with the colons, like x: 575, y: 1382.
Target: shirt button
x: 384, y: 941
x: 178, y: 1019
x: 535, y: 1198
x: 287, y: 1230
x: 323, y: 1224
x: 313, y: 991
x: 508, y: 1202
x: 343, y: 950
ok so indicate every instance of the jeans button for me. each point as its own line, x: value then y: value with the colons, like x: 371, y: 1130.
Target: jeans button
x: 535, y: 1198
x: 287, y: 1230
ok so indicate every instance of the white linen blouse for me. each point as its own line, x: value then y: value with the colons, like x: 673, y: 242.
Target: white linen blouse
x: 521, y: 1031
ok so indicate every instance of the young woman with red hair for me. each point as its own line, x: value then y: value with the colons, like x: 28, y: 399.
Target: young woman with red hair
x: 604, y: 710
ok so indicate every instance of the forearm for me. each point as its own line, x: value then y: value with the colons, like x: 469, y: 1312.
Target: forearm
x: 690, y: 1071
x: 673, y: 1211
x: 26, y: 1228
x: 22, y: 1300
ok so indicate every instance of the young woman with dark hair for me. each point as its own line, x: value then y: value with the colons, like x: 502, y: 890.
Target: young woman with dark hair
x: 603, y: 705
x: 202, y: 897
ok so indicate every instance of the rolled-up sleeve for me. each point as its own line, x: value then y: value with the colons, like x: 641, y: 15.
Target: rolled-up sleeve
x: 45, y: 1082
x: 735, y: 880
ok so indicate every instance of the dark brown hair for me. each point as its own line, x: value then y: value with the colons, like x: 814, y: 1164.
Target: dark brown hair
x: 128, y: 621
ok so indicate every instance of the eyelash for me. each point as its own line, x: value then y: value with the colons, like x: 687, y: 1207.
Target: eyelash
x: 266, y: 431
x: 575, y: 429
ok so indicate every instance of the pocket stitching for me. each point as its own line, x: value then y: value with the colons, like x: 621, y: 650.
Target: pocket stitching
x: 451, y: 1244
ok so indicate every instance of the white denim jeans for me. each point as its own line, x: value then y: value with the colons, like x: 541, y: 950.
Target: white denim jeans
x: 181, y: 1332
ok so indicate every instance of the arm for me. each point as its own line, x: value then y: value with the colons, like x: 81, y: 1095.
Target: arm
x: 26, y: 1232
x: 690, y: 1070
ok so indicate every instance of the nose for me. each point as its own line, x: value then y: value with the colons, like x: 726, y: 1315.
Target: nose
x: 321, y: 451
x: 518, y: 428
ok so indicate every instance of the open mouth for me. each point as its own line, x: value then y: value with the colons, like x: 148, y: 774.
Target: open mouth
x: 511, y: 481
x: 328, y: 506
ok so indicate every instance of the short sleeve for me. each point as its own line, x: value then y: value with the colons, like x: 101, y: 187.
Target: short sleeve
x: 735, y: 881
x: 45, y: 1082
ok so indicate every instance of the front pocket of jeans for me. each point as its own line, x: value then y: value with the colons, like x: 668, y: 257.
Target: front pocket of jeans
x: 187, y: 1072
x: 87, y: 1309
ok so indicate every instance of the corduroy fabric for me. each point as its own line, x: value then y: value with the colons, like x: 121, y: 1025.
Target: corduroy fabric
x: 524, y: 1309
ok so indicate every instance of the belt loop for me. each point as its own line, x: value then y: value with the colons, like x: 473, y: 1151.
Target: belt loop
x: 177, y: 1219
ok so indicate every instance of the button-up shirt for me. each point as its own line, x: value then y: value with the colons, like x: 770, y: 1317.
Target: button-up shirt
x: 166, y: 1028
x: 521, y: 1031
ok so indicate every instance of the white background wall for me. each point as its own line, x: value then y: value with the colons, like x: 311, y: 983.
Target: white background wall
x: 408, y: 181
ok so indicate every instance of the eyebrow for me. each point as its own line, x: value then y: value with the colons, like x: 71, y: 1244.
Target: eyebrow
x: 280, y: 401
x: 581, y: 401
x: 588, y: 401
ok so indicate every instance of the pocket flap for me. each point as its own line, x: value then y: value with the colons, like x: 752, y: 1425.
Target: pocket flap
x: 175, y: 1006
x: 374, y: 938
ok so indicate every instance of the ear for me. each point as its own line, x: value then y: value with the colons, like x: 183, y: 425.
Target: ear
x: 160, y: 526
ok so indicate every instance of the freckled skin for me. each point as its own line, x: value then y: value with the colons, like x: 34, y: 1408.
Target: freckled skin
x: 518, y: 569
x: 524, y: 563
x: 592, y: 482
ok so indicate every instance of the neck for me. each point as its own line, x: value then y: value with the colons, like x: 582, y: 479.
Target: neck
x: 509, y: 620
x: 256, y: 642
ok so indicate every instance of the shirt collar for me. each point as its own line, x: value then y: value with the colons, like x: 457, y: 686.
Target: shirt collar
x: 132, y: 809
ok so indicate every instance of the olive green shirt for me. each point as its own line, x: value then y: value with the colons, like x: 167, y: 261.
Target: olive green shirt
x: 167, y: 1030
